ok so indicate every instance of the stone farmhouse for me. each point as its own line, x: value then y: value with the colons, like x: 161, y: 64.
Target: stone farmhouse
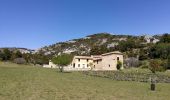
x: 106, y: 61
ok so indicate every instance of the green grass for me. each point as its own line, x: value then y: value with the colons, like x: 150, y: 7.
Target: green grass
x: 22, y: 82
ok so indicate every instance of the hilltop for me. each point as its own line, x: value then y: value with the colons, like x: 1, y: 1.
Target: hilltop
x: 104, y: 41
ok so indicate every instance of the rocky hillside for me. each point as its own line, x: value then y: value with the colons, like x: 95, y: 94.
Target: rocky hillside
x: 22, y: 50
x: 83, y: 46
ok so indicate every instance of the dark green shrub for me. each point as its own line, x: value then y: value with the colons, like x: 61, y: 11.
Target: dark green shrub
x: 144, y: 64
x: 119, y: 65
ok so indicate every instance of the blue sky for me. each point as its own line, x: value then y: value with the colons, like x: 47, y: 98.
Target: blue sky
x: 36, y: 23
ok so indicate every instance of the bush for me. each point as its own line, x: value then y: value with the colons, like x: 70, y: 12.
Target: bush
x: 20, y: 61
x: 143, y: 54
x: 119, y: 65
x: 156, y: 65
x: 160, y: 50
x: 144, y: 64
x: 2, y: 56
x: 7, y: 54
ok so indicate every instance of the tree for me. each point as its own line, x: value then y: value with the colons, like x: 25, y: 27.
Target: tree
x: 95, y: 50
x: 91, y: 65
x: 168, y: 62
x: 143, y: 54
x: 160, y: 50
x: 36, y: 58
x: 98, y: 50
x: 7, y: 54
x: 2, y: 56
x: 62, y: 60
x: 165, y: 38
x: 27, y: 57
x: 119, y: 65
x: 18, y: 54
x: 126, y: 45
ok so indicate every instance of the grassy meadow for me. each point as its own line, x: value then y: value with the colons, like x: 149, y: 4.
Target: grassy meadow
x: 24, y: 82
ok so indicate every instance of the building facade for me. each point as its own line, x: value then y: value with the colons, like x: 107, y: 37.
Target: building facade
x: 107, y: 61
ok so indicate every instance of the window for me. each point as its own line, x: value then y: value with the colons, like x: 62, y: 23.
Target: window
x: 83, y: 65
x: 94, y: 66
x: 74, y: 65
x: 79, y: 60
x: 118, y: 58
x: 97, y: 61
x: 78, y: 65
x: 109, y: 65
x: 87, y: 65
x: 87, y: 60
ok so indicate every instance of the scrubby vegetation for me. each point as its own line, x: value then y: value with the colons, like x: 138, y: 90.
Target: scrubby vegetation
x: 23, y: 58
x: 143, y: 47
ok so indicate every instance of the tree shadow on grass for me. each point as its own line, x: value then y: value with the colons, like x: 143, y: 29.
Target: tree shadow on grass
x: 63, y: 72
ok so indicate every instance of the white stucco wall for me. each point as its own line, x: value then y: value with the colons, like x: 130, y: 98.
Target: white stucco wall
x: 50, y: 65
x: 81, y: 64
